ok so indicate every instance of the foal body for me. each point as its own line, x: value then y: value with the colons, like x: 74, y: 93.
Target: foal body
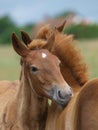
x: 21, y: 106
x: 27, y: 109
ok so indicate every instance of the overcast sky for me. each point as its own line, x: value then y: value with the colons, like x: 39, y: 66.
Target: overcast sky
x: 23, y: 11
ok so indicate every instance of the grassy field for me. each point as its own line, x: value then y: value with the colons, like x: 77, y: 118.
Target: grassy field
x: 89, y: 49
x: 10, y: 67
x: 9, y: 64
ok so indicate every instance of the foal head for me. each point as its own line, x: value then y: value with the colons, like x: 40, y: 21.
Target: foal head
x: 43, y: 72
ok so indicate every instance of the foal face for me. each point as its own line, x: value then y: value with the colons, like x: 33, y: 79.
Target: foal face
x: 43, y: 73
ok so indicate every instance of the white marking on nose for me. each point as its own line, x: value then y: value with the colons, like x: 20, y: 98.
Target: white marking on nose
x: 44, y: 55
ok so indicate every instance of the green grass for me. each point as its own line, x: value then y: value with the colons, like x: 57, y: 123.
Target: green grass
x: 89, y: 49
x: 10, y: 62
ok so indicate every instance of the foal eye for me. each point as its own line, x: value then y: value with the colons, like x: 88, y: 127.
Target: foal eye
x: 34, y: 69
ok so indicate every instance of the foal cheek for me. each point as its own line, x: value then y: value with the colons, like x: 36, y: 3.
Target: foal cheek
x: 41, y: 80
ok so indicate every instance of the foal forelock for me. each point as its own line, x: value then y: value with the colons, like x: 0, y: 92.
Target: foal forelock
x: 37, y: 44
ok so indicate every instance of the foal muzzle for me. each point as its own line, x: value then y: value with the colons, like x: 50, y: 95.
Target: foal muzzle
x: 62, y: 96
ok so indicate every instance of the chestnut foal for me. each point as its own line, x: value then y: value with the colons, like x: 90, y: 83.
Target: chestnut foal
x: 40, y: 79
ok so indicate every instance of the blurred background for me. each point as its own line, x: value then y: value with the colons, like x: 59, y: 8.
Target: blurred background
x: 82, y: 17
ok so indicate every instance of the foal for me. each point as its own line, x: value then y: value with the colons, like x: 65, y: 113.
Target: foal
x: 40, y: 77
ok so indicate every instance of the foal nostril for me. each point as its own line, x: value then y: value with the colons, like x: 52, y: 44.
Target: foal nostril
x: 64, y: 94
x: 61, y: 94
x: 70, y: 94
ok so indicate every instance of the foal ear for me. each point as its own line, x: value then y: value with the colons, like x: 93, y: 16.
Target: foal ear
x: 18, y: 46
x: 25, y: 37
x: 50, y: 42
x: 61, y: 27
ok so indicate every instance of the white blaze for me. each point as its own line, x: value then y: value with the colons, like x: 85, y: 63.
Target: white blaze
x: 44, y: 55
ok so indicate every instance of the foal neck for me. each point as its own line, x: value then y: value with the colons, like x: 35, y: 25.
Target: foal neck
x: 32, y: 110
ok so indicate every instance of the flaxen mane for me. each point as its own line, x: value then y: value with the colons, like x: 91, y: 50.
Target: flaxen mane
x: 72, y: 61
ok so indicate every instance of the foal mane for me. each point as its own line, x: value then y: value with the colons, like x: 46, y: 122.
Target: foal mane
x: 71, y: 57
x: 44, y: 32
